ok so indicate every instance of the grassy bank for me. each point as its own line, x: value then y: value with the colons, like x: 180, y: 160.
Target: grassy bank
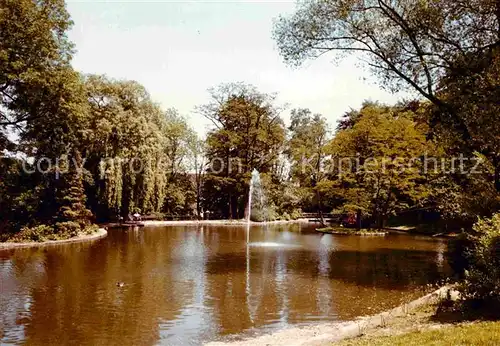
x: 424, y: 327
x: 482, y: 333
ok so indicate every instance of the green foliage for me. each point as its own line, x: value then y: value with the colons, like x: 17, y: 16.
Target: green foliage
x: 296, y: 214
x: 447, y: 52
x: 483, y: 277
x: 137, y: 155
x: 73, y: 215
x: 262, y: 215
x: 307, y: 153
x: 34, y: 48
x: 34, y: 234
x: 405, y: 42
x: 68, y: 229
x: 376, y: 164
x: 306, y: 147
x: 126, y: 151
x: 59, y: 231
x: 248, y: 134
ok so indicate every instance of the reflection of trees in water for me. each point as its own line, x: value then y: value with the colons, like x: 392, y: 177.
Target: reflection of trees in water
x: 78, y: 300
x: 192, y: 282
x: 289, y: 285
x: 17, y: 275
x: 383, y: 268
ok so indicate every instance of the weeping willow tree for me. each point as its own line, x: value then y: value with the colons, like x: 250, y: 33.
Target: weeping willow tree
x: 135, y: 151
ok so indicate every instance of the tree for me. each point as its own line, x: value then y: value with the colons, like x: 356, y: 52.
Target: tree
x: 33, y: 48
x: 198, y: 167
x: 125, y: 151
x: 306, y: 151
x: 137, y: 154
x: 412, y: 42
x: 72, y: 216
x: 377, y: 164
x: 43, y: 102
x: 421, y: 44
x: 474, y: 93
x: 248, y: 134
x: 179, y: 140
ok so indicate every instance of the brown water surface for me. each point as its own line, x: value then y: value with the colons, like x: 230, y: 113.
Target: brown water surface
x: 188, y: 285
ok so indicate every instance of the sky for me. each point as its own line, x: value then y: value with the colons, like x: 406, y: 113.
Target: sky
x: 179, y: 49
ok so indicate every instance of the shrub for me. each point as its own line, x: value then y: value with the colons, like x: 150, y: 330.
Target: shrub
x: 33, y: 234
x: 264, y: 214
x: 258, y: 215
x: 460, y: 249
x: 482, y: 280
x: 61, y: 230
x: 296, y: 214
x: 67, y: 229
x: 91, y: 229
x: 272, y: 213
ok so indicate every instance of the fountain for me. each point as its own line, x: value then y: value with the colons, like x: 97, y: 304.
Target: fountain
x: 257, y: 210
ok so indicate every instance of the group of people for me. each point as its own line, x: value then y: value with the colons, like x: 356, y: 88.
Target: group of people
x: 136, y: 217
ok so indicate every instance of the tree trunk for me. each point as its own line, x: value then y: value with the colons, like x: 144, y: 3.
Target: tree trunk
x: 198, y: 207
x: 320, y: 208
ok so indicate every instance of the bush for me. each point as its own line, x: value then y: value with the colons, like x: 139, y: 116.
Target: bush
x: 459, y: 250
x: 91, y: 229
x: 258, y: 215
x: 482, y: 282
x: 33, y: 234
x: 60, y: 231
x: 296, y: 214
x: 67, y: 229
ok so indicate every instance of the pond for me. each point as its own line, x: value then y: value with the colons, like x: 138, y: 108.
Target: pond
x: 192, y: 284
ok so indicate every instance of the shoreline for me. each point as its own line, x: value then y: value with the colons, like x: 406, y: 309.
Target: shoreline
x: 327, y: 333
x: 354, y: 232
x: 101, y: 233
x: 218, y: 222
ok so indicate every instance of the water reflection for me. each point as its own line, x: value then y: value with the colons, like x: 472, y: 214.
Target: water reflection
x: 185, y: 285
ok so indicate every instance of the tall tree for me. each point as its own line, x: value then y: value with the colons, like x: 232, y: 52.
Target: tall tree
x: 125, y: 150
x: 197, y: 168
x: 248, y: 134
x: 421, y: 44
x: 377, y: 164
x: 306, y: 151
x: 406, y: 42
x: 33, y: 48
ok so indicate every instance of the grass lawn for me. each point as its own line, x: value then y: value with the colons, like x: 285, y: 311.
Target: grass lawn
x: 479, y: 333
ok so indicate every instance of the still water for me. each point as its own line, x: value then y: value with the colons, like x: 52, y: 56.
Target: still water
x: 188, y: 285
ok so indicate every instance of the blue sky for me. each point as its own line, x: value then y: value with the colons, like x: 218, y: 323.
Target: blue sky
x: 177, y: 50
